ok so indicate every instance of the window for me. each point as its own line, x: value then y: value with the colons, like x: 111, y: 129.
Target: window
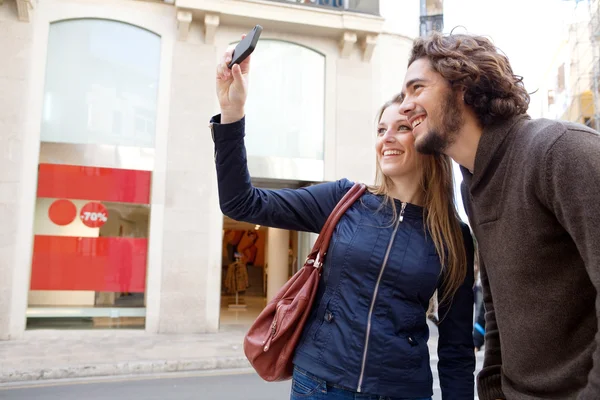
x: 551, y: 98
x: 96, y: 70
x: 92, y: 212
x: 286, y: 106
x: 560, y: 82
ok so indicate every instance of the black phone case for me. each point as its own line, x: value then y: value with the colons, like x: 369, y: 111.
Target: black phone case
x: 245, y: 47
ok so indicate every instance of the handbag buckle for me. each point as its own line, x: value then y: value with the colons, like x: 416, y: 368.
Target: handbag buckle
x: 318, y: 262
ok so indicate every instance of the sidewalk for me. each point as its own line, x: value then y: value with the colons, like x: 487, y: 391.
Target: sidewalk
x: 56, y: 354
x: 60, y: 354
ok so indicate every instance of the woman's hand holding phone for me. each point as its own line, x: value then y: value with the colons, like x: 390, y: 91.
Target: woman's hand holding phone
x: 232, y: 87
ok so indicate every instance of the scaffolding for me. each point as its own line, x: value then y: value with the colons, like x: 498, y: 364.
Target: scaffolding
x: 581, y: 78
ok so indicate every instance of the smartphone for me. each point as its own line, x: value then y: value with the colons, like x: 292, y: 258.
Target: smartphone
x: 245, y: 47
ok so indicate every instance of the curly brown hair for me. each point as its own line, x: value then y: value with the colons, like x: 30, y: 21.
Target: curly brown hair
x: 474, y: 63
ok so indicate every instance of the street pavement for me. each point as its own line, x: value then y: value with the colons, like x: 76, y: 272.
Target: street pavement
x: 238, y: 384
x: 132, y: 365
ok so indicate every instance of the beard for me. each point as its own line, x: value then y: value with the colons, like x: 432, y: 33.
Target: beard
x: 437, y: 140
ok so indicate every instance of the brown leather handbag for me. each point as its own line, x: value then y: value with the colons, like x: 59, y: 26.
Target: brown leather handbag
x: 271, y: 341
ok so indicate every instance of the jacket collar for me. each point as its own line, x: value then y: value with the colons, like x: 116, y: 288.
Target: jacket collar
x: 410, y: 210
x: 488, y: 149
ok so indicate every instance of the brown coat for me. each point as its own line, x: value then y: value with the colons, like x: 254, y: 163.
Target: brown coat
x: 236, y: 279
x: 534, y: 205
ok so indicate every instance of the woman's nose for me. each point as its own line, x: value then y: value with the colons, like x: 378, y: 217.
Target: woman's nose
x: 389, y: 136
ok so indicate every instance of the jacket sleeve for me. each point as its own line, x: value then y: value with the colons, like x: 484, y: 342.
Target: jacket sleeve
x: 304, y: 209
x: 489, y: 380
x: 572, y: 181
x: 455, y: 344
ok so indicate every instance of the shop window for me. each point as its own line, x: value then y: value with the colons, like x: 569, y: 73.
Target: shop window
x: 90, y: 246
x: 93, y: 206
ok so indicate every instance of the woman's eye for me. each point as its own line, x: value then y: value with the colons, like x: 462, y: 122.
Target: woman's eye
x: 381, y: 131
x: 404, y: 128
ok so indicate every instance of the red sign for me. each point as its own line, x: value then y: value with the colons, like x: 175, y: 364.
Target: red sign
x: 94, y: 183
x: 62, y: 212
x: 93, y: 215
x: 105, y: 264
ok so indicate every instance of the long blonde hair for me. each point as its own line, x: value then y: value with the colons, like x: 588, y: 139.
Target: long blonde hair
x: 441, y: 217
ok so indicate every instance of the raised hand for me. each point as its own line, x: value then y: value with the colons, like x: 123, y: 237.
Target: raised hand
x: 232, y: 87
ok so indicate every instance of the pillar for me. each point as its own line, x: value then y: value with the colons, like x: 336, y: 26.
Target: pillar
x: 277, y: 260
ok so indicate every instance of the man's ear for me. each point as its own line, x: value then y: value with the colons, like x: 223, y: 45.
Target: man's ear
x: 460, y: 94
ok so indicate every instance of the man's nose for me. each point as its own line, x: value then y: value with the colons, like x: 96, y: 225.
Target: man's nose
x: 407, y: 106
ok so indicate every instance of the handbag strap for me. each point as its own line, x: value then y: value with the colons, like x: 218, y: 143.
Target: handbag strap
x: 322, y: 244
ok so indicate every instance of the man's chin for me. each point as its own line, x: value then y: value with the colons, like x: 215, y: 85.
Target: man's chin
x: 423, y: 146
x: 429, y: 143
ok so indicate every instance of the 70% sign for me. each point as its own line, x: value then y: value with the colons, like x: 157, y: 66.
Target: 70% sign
x: 93, y: 215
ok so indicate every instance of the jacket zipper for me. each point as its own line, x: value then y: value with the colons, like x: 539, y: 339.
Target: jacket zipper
x: 385, y: 259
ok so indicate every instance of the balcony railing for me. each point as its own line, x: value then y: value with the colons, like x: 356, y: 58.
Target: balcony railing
x: 359, y: 6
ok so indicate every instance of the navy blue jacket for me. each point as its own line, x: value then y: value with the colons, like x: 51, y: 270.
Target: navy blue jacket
x: 367, y: 330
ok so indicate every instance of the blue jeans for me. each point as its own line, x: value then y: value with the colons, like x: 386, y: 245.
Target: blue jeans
x: 306, y: 386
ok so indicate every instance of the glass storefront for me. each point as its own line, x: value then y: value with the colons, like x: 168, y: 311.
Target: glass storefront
x: 243, y: 272
x: 90, y: 247
x: 245, y: 268
x: 93, y: 204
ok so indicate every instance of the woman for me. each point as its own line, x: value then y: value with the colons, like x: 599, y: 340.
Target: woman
x: 367, y: 334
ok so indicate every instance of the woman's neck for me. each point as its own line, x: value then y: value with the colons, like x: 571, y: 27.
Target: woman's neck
x: 407, y: 191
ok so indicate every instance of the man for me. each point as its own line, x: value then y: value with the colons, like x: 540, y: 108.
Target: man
x: 532, y: 193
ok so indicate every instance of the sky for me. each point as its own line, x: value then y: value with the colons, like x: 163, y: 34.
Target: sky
x: 529, y: 32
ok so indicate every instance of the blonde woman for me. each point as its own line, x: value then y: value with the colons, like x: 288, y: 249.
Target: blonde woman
x: 366, y: 337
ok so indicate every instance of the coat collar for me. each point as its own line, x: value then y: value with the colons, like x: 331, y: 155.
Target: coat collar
x: 491, y: 139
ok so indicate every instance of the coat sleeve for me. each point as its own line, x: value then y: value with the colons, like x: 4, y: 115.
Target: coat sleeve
x: 572, y: 192
x: 304, y: 209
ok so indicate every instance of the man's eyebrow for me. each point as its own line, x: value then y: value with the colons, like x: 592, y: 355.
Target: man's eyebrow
x: 409, y: 84
x: 415, y: 80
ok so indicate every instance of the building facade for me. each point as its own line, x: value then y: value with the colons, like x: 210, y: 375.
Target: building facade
x: 432, y: 16
x: 570, y: 86
x: 108, y: 196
